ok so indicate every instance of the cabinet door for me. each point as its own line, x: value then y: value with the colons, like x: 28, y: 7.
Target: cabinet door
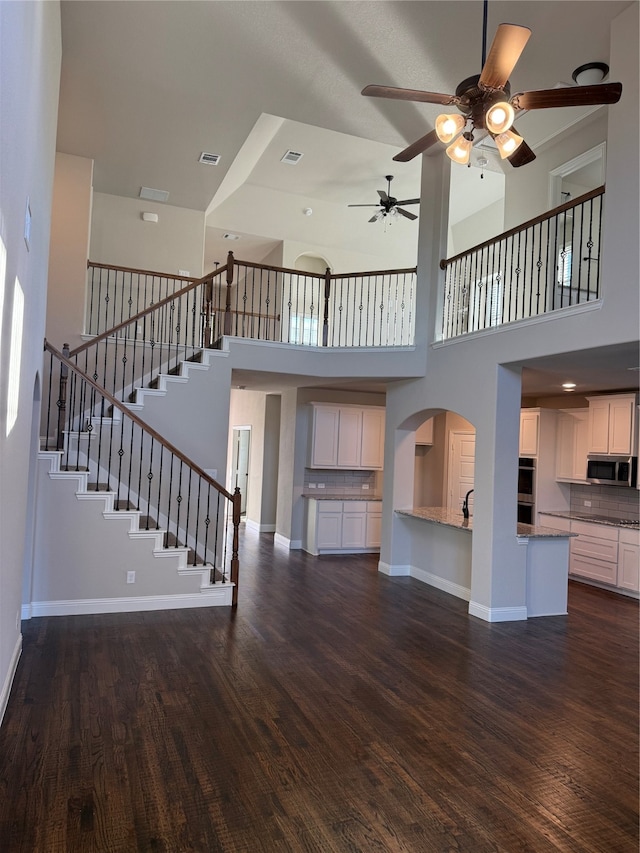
x: 598, y: 426
x: 372, y: 454
x: 374, y: 529
x: 349, y: 438
x: 620, y: 426
x: 324, y: 443
x: 354, y: 529
x: 529, y: 433
x: 581, y: 445
x: 629, y: 566
x: 565, y: 447
x: 329, y: 530
x: 424, y: 433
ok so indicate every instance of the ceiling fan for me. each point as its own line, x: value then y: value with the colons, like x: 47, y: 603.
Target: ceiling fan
x: 388, y: 205
x: 486, y: 104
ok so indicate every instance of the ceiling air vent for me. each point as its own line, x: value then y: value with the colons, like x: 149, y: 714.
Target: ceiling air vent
x: 291, y: 157
x: 153, y: 195
x: 229, y: 236
x: 209, y: 159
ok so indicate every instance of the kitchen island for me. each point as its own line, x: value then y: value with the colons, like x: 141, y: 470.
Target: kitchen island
x: 441, y: 556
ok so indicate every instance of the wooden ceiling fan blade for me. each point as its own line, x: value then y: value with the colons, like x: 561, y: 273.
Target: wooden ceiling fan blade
x: 363, y: 205
x: 409, y: 201
x: 374, y: 218
x: 522, y: 155
x: 508, y: 43
x: 383, y: 195
x: 571, y: 96
x: 417, y: 147
x: 409, y: 95
x: 406, y: 213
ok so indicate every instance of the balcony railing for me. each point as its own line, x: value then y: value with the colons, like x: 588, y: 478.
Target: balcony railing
x: 546, y: 264
x: 262, y: 302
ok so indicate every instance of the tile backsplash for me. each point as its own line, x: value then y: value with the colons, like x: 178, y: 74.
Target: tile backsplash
x: 610, y: 501
x: 342, y: 482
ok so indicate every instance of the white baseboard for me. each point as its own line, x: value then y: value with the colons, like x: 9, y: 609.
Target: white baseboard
x: 8, y: 681
x: 497, y: 614
x: 217, y: 595
x: 441, y: 583
x: 394, y: 571
x: 260, y: 528
x: 289, y: 544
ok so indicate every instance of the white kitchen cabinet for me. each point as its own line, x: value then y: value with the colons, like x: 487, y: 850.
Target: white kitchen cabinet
x: 594, y: 552
x: 612, y: 424
x: 349, y: 437
x: 629, y: 560
x: 424, y: 433
x: 374, y: 524
x: 571, y: 445
x: 334, y: 527
x: 529, y: 425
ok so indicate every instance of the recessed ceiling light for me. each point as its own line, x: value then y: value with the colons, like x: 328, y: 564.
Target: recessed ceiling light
x: 230, y: 236
x: 569, y: 386
x: 153, y: 195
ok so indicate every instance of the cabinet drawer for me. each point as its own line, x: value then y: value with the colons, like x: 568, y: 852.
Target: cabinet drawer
x: 354, y: 506
x: 629, y: 537
x: 329, y: 506
x: 598, y: 570
x: 598, y: 531
x: 598, y: 549
x: 374, y: 506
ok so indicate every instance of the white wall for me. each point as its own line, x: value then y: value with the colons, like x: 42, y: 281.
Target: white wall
x: 477, y: 228
x: 119, y: 235
x: 70, y: 227
x: 30, y: 51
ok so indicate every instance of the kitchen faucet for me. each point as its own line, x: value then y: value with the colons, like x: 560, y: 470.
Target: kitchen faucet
x: 465, y: 504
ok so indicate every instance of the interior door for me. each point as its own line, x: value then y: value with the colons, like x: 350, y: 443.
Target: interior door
x: 240, y: 463
x: 462, y: 460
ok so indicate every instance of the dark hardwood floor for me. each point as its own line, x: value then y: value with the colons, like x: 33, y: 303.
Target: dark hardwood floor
x: 336, y: 710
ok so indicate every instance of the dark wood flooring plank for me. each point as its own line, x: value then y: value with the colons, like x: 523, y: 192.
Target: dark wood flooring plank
x: 337, y: 710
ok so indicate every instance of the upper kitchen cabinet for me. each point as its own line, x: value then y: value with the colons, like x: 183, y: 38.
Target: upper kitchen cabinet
x: 424, y: 433
x: 612, y: 425
x: 571, y: 446
x: 529, y: 429
x: 350, y: 437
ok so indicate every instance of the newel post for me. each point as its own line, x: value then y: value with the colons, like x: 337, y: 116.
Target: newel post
x: 227, y: 307
x: 327, y: 293
x: 62, y: 399
x: 235, y: 563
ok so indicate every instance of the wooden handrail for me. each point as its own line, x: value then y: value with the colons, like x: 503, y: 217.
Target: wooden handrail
x: 568, y: 205
x: 138, y: 421
x: 140, y: 272
x: 321, y: 276
x: 373, y: 272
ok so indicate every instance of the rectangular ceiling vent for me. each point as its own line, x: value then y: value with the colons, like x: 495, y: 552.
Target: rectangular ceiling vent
x: 209, y: 159
x: 291, y: 157
x: 153, y: 195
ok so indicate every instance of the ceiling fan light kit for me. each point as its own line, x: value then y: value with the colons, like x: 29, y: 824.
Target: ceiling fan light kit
x: 448, y: 126
x: 485, y: 102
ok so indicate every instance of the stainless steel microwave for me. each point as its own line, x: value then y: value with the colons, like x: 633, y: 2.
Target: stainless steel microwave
x: 612, y: 470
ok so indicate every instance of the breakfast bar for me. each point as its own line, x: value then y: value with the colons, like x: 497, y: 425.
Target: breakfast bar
x: 443, y: 540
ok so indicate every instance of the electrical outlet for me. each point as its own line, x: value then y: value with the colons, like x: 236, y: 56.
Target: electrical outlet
x: 131, y: 577
x: 312, y: 485
x: 365, y: 486
x: 587, y: 503
x: 321, y: 485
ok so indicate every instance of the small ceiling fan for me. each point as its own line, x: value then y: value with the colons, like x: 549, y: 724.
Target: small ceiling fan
x: 388, y: 205
x: 485, y: 102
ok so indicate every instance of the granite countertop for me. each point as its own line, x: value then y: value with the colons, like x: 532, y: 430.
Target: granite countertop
x: 594, y: 519
x: 324, y: 495
x: 451, y: 518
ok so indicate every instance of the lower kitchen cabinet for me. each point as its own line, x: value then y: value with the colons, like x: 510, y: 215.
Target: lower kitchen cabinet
x: 597, y: 552
x: 333, y: 527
